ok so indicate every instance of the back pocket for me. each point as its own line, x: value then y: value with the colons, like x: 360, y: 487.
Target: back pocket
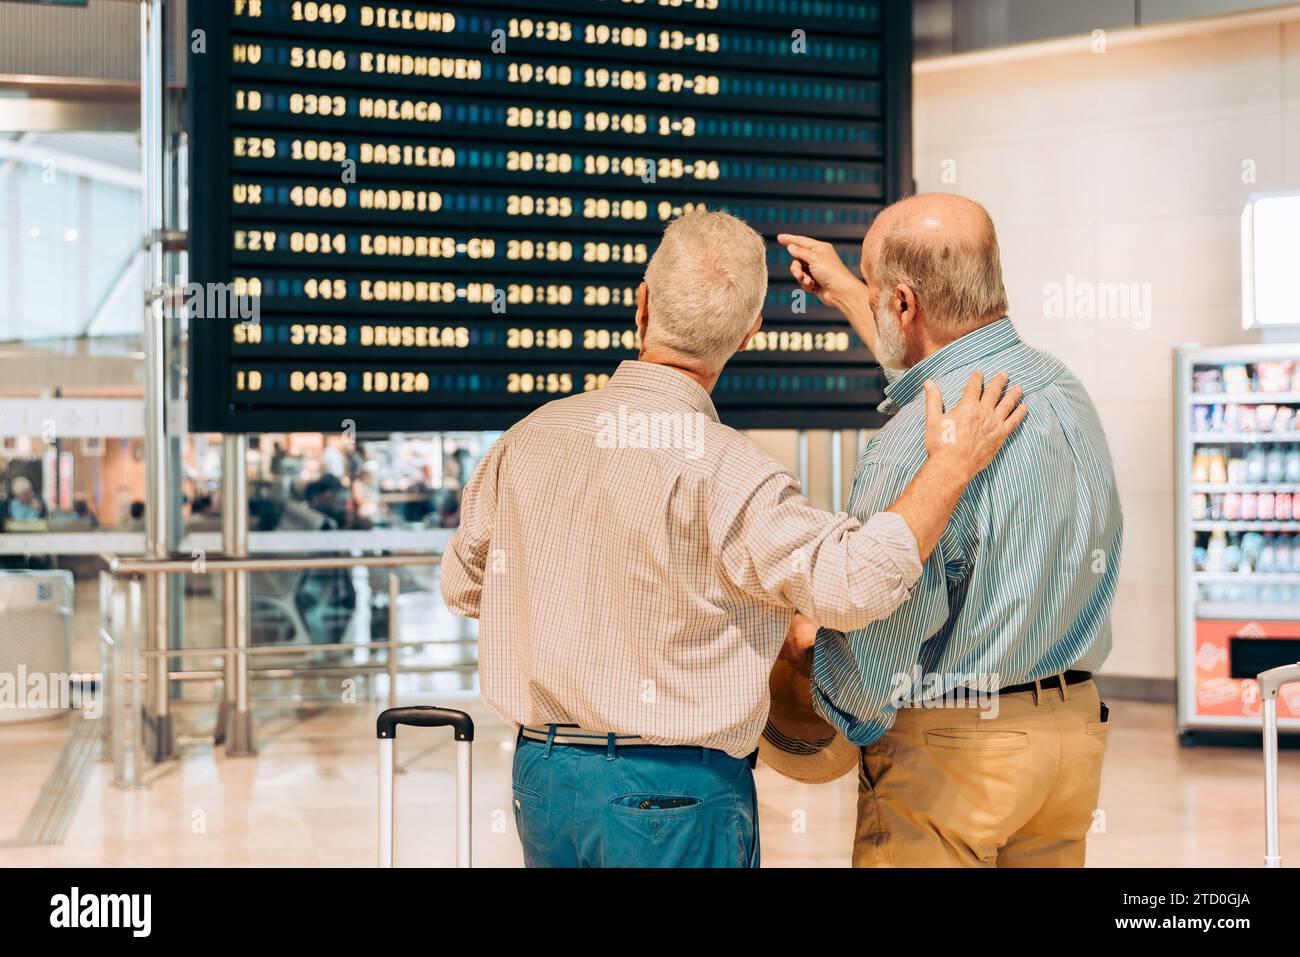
x: 527, y: 797
x: 966, y: 739
x: 657, y: 805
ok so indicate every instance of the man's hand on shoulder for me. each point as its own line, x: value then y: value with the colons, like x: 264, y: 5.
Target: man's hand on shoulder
x: 959, y: 443
x: 970, y: 435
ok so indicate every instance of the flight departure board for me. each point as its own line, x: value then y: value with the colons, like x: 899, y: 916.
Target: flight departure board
x: 443, y: 211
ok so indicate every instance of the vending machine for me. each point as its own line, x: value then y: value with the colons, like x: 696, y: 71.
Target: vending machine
x: 1238, y: 526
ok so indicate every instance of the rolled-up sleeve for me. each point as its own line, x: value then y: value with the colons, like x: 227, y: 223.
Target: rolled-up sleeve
x: 833, y: 568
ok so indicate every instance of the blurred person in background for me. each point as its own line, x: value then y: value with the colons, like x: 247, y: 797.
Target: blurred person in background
x: 24, y: 504
x: 446, y: 509
x: 327, y: 496
x: 332, y: 461
x: 203, y: 515
x: 365, y: 506
x: 85, y: 513
x: 135, y: 519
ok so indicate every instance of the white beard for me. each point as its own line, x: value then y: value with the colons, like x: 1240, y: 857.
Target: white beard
x: 891, y: 348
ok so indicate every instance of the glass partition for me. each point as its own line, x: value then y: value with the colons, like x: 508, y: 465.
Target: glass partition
x: 305, y: 481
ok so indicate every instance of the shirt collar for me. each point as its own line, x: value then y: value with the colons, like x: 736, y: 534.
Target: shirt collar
x: 965, y: 352
x: 663, y: 381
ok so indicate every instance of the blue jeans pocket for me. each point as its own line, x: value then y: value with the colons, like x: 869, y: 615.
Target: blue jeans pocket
x: 657, y: 830
x: 657, y: 805
x: 527, y: 797
x: 530, y: 819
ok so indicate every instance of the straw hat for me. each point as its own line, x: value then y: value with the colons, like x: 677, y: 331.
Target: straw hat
x: 797, y: 741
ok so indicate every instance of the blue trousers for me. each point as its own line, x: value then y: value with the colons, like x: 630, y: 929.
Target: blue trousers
x: 634, y: 806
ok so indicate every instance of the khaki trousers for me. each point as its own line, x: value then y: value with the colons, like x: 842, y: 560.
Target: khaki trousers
x: 947, y: 787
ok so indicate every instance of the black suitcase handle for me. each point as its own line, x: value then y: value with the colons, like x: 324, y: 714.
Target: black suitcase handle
x: 425, y: 716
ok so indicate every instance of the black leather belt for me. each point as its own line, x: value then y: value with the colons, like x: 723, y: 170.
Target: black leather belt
x: 573, y: 736
x: 1051, y: 681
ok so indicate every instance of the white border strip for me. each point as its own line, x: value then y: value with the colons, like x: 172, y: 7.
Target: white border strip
x: 1125, y: 36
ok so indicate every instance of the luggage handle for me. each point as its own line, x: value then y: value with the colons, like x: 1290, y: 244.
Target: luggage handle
x: 1270, y: 682
x: 424, y: 716
x: 1273, y: 679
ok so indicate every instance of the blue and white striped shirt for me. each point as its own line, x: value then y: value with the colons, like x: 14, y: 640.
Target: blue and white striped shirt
x: 1021, y: 582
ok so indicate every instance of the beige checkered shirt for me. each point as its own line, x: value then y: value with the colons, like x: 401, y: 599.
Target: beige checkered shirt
x: 635, y: 565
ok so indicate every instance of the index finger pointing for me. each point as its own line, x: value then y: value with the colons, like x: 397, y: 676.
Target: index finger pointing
x: 785, y: 239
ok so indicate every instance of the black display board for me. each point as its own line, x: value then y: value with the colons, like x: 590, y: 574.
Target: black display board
x: 444, y: 210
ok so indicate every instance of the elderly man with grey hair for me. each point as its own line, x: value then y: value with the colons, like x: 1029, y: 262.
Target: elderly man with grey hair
x: 635, y: 566
x: 981, y: 731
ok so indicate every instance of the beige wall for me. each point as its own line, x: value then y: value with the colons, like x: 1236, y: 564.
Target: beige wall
x: 1124, y: 166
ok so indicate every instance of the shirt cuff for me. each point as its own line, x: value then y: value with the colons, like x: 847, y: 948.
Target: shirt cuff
x: 898, y: 543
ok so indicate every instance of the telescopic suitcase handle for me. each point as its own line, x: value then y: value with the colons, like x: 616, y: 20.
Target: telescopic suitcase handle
x: 1273, y: 679
x: 424, y: 716
x: 1269, y: 683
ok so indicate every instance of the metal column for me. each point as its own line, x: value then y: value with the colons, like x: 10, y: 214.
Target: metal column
x: 160, y: 741
x: 235, y: 721
x: 394, y: 633
x: 1272, y: 826
x: 175, y: 241
x: 837, y: 470
x: 801, y: 461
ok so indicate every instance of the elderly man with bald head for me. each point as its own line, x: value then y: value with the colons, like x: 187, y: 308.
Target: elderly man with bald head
x: 981, y: 730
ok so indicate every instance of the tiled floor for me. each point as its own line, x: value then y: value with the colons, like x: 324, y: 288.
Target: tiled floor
x: 309, y: 799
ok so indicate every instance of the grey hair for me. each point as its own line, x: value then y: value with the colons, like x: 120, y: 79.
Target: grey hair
x: 707, y: 281
x: 958, y: 284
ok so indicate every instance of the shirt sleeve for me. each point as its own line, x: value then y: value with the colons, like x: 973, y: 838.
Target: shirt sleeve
x: 465, y: 559
x: 835, y: 569
x: 860, y: 675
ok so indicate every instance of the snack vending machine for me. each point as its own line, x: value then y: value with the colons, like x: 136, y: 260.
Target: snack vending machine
x: 1238, y: 527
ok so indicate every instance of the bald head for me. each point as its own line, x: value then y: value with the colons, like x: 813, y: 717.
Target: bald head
x: 944, y: 250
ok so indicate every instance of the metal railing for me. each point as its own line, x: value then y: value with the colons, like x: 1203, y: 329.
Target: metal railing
x: 127, y: 670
